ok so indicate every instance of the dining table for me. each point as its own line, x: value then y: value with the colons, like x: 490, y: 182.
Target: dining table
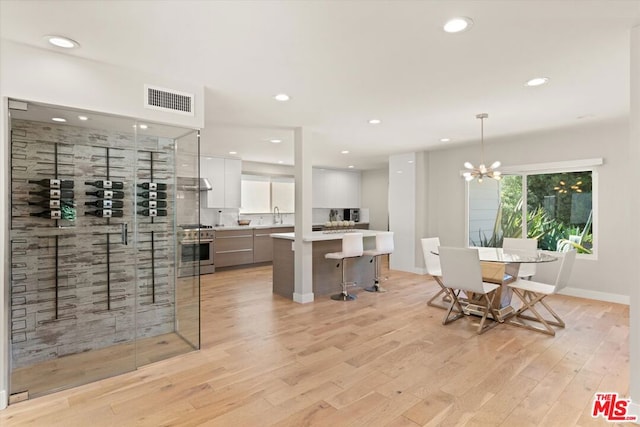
x: 501, y: 266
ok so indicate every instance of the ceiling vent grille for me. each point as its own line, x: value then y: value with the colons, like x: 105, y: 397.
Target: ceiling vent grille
x: 169, y: 100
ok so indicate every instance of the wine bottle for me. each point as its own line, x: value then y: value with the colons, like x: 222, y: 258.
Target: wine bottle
x: 52, y: 203
x: 153, y: 212
x: 53, y: 183
x: 106, y: 194
x: 106, y: 184
x: 153, y: 186
x: 54, y: 194
x: 153, y: 204
x: 105, y: 213
x: 153, y: 195
x: 106, y: 204
x: 52, y: 214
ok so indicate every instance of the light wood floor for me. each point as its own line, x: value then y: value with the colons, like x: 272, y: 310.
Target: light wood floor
x: 381, y: 360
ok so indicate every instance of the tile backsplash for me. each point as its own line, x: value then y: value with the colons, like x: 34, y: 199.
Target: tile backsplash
x: 229, y: 217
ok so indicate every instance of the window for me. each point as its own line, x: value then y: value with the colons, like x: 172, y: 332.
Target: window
x: 260, y: 194
x: 555, y: 207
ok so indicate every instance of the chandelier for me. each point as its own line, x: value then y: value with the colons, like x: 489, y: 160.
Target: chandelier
x: 481, y: 171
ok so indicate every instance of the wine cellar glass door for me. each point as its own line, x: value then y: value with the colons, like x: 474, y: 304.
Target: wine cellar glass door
x: 93, y: 283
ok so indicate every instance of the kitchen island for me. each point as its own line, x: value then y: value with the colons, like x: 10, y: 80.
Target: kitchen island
x: 327, y: 275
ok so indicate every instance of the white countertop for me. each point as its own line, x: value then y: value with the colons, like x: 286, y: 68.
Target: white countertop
x: 250, y: 226
x: 316, y: 236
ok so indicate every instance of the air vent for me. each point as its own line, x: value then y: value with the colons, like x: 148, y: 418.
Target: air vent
x: 169, y: 100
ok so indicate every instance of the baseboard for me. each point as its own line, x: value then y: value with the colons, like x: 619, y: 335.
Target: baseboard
x: 303, y: 298
x: 3, y: 399
x: 597, y: 295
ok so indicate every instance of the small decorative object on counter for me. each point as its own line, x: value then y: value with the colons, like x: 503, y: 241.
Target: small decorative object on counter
x: 338, y: 226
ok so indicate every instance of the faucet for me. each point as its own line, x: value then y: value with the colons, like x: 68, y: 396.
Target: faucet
x: 277, y: 218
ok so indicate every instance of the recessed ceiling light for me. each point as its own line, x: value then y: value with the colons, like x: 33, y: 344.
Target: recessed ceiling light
x: 233, y: 152
x: 58, y: 119
x: 280, y: 161
x: 409, y: 161
x: 143, y: 126
x: 538, y: 81
x: 375, y: 121
x: 63, y: 42
x: 281, y: 97
x: 344, y: 152
x: 457, y: 25
x: 275, y: 141
x: 398, y: 171
x: 445, y: 139
x: 351, y: 166
x: 83, y: 118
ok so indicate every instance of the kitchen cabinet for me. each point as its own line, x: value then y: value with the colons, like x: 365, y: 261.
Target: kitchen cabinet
x: 334, y: 188
x: 233, y: 247
x: 263, y: 242
x: 225, y: 177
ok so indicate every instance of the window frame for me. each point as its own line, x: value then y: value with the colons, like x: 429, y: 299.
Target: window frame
x: 585, y: 165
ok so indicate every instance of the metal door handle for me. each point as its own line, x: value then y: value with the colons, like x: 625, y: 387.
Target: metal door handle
x: 125, y: 233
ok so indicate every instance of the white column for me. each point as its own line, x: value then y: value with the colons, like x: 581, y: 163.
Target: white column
x: 402, y: 211
x: 303, y: 286
x: 634, y: 282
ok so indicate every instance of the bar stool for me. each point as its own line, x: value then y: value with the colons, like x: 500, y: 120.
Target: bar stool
x: 384, y: 246
x: 351, y: 248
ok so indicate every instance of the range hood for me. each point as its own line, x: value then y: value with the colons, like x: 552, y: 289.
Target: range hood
x: 193, y: 184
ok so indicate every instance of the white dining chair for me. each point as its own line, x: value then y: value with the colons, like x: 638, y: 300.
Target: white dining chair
x: 351, y: 248
x: 461, y: 271
x: 384, y: 246
x: 432, y: 262
x: 532, y: 293
x: 528, y: 246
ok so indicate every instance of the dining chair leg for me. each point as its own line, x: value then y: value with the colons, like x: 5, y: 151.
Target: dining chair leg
x: 529, y: 300
x: 540, y: 298
x: 488, y: 309
x: 454, y: 302
x: 445, y: 295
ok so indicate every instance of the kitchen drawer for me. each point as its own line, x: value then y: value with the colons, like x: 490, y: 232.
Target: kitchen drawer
x: 233, y: 247
x: 263, y: 242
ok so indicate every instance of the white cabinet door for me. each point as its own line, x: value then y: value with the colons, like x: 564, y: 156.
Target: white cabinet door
x: 351, y: 187
x: 232, y: 182
x: 336, y: 188
x: 319, y: 197
x: 213, y: 168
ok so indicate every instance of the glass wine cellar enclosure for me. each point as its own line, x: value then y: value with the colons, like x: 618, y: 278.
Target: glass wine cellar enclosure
x: 94, y: 290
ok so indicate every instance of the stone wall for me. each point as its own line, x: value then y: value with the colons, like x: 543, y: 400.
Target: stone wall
x: 75, y: 285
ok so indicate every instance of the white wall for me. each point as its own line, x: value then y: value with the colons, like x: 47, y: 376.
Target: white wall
x: 375, y: 190
x: 50, y: 77
x: 610, y: 272
x: 634, y: 235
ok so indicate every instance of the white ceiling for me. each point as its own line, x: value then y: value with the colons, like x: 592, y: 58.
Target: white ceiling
x: 345, y: 62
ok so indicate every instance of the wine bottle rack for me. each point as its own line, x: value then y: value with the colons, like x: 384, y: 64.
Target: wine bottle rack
x: 110, y: 195
x: 56, y: 196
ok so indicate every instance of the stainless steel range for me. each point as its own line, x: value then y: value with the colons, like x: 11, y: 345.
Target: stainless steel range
x: 195, y: 250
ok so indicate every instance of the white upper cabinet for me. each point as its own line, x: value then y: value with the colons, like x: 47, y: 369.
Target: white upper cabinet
x: 224, y: 176
x: 334, y: 188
